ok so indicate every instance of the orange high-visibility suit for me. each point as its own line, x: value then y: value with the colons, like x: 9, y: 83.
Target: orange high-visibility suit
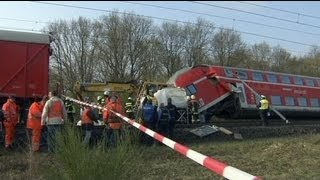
x: 110, y: 118
x: 34, y: 123
x: 11, y: 113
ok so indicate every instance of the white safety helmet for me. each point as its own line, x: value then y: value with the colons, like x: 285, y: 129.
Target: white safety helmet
x: 263, y: 97
x: 106, y: 93
x: 188, y: 98
x: 193, y: 97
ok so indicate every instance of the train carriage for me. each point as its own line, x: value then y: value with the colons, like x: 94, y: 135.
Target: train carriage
x: 222, y: 91
x: 24, y: 69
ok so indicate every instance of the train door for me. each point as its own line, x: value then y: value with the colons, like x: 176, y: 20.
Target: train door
x: 242, y: 95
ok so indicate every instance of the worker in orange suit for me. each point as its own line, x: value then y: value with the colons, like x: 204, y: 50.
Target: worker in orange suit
x: 88, y: 117
x: 12, y: 118
x: 34, y: 123
x: 112, y: 121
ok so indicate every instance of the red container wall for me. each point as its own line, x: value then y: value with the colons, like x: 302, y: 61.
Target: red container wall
x: 24, y: 69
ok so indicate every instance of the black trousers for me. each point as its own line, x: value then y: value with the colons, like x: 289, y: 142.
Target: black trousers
x: 264, y: 116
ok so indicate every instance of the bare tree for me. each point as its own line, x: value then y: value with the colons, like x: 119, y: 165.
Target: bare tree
x: 123, y: 46
x: 138, y: 31
x: 261, y: 56
x: 197, y: 37
x: 279, y: 59
x: 310, y: 64
x: 170, y: 37
x: 225, y: 45
x: 73, y: 51
x: 111, y: 48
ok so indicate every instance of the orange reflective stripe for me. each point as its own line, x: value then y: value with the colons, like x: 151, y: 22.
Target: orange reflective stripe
x: 113, y: 120
x: 11, y: 111
x: 56, y: 110
x: 85, y: 117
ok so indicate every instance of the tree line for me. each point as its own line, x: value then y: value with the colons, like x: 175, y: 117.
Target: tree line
x: 130, y: 47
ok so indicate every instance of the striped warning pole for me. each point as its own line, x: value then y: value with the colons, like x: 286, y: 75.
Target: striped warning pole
x: 216, y: 166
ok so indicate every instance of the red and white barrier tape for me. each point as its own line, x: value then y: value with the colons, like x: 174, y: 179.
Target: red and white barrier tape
x: 216, y: 166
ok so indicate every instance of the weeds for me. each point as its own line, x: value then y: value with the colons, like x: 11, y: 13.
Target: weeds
x: 76, y: 161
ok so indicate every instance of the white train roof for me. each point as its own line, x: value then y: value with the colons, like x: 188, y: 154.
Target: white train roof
x: 18, y: 36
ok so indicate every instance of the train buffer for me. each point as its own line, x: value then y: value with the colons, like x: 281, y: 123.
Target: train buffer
x: 207, y: 130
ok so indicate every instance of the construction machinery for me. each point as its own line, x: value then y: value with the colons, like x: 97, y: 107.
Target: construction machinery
x: 135, y: 89
x: 92, y: 90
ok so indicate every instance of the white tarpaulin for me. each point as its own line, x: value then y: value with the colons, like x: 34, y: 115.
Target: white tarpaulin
x: 178, y: 96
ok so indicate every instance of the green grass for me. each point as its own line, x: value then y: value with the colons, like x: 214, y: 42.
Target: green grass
x: 76, y: 161
x: 295, y: 157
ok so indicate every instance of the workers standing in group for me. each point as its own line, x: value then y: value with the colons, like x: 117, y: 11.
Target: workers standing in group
x: 88, y: 117
x: 264, y: 110
x: 71, y: 111
x: 112, y: 121
x: 173, y: 116
x: 149, y: 118
x: 12, y: 118
x: 194, y: 105
x: 54, y: 116
x: 129, y: 108
x: 34, y: 123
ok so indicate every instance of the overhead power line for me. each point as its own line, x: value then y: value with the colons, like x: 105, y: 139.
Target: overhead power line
x: 223, y: 17
x: 282, y: 10
x: 22, y: 20
x: 166, y: 19
x: 257, y: 14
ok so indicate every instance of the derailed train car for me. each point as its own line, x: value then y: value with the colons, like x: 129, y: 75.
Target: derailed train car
x: 222, y: 91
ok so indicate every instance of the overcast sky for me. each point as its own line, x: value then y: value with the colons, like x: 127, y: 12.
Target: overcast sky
x: 31, y: 11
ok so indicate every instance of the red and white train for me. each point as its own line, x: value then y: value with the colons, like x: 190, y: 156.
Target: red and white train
x: 220, y: 91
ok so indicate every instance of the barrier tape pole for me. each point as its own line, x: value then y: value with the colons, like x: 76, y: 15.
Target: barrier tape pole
x: 216, y: 166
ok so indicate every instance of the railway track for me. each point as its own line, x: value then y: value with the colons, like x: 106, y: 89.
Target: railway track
x: 248, y: 128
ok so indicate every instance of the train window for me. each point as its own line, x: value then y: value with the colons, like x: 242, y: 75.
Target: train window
x: 257, y: 76
x: 285, y: 79
x: 242, y: 74
x: 309, y: 82
x: 228, y: 72
x: 276, y: 100
x: 289, y: 101
x: 272, y: 78
x: 314, y: 102
x: 187, y: 92
x: 298, y: 80
x: 318, y: 81
x: 302, y: 101
x: 192, y: 89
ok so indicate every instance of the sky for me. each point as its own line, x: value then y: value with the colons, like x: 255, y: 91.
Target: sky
x: 32, y: 16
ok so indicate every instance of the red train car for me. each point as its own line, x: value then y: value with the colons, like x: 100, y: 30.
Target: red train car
x: 222, y: 91
x: 24, y: 69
